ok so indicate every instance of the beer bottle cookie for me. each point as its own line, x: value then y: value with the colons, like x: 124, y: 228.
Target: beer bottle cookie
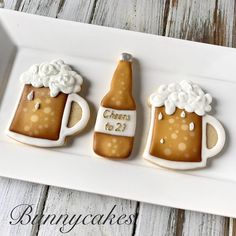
x: 178, y: 134
x: 45, y: 107
x: 116, y: 119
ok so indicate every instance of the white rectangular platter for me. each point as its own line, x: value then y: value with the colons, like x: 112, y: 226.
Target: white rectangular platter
x: 93, y: 51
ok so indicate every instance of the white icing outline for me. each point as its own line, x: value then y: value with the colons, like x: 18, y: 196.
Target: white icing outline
x: 64, y: 132
x: 100, y: 122
x: 206, y: 152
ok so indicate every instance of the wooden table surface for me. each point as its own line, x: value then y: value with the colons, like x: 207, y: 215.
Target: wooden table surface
x: 209, y: 21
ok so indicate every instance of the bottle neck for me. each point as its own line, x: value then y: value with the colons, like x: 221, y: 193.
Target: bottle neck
x: 120, y: 94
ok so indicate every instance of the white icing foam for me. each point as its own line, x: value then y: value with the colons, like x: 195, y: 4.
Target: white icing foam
x: 184, y: 95
x: 56, y: 75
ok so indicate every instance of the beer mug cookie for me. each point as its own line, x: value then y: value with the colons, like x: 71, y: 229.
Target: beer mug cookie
x: 178, y: 134
x: 116, y: 119
x: 45, y: 105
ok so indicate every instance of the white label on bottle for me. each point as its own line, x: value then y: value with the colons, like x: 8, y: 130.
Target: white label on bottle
x: 116, y: 122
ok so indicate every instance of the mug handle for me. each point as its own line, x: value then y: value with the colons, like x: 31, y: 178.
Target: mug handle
x: 65, y: 131
x: 209, y: 152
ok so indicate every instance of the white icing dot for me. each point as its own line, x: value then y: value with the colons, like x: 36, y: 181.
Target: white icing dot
x: 171, y: 121
x: 160, y: 116
x: 182, y: 146
x: 174, y: 136
x: 30, y: 96
x: 162, y: 141
x: 47, y: 110
x: 109, y: 144
x: 183, y: 114
x: 34, y: 118
x: 184, y: 127
x: 191, y: 126
x: 113, y: 151
x: 167, y: 151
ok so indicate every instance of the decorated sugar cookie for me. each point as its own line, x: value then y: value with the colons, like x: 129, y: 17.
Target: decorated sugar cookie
x: 178, y: 135
x: 44, y: 109
x: 116, y: 119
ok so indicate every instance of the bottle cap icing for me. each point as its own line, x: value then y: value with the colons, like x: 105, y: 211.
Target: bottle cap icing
x: 126, y: 57
x: 184, y: 95
x: 56, y: 75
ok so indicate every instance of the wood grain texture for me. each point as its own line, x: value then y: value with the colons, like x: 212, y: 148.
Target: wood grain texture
x: 13, y: 193
x: 156, y: 220
x: 136, y: 15
x: 232, y: 227
x: 62, y: 201
x: 12, y: 4
x: 81, y: 11
x: 204, y: 224
x: 41, y: 7
x: 202, y: 21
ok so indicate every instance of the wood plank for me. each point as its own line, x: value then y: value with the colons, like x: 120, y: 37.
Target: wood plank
x: 209, y: 22
x: 232, y: 227
x: 77, y: 10
x: 42, y: 7
x: 139, y: 15
x: 156, y: 220
x: 192, y: 20
x: 62, y: 201
x: 196, y: 224
x: 202, y: 21
x: 14, y: 193
x: 12, y: 4
x: 150, y: 16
